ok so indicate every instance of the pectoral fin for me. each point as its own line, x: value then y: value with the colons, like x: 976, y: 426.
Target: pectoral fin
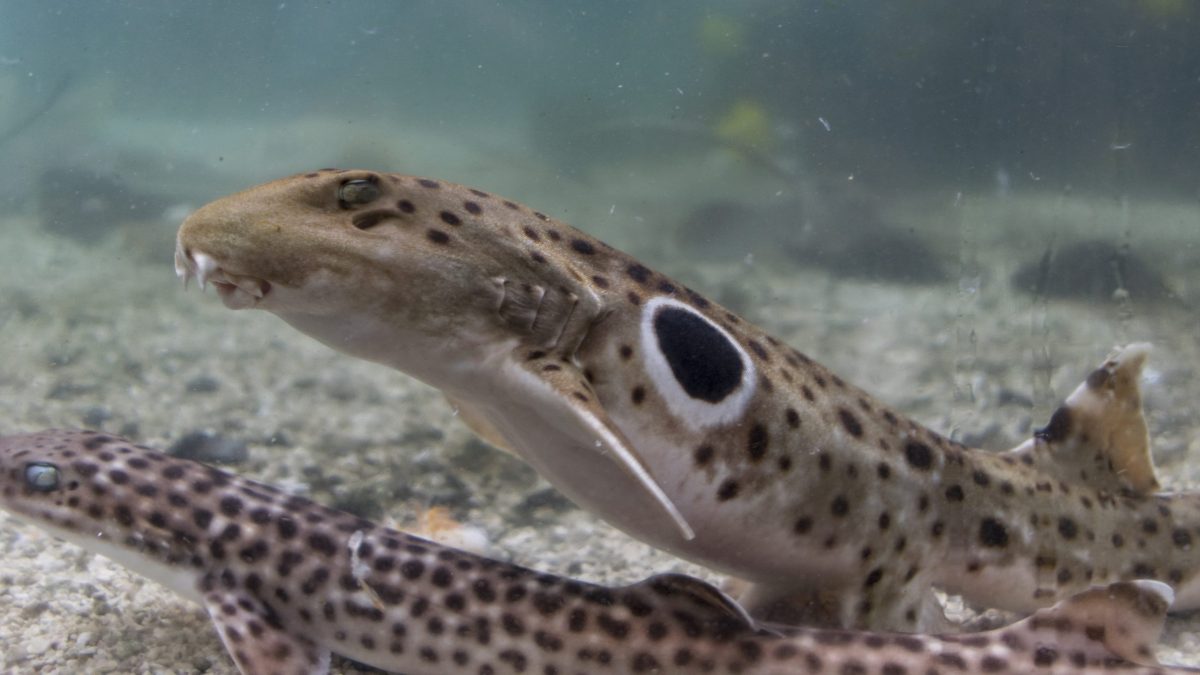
x: 702, y: 601
x: 552, y: 418
x: 1099, y: 434
x: 478, y: 422
x: 256, y: 641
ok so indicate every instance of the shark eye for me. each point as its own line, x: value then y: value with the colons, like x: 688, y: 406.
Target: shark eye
x: 42, y: 477
x: 356, y: 192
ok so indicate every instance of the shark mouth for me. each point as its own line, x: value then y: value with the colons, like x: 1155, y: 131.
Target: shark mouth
x: 237, y: 291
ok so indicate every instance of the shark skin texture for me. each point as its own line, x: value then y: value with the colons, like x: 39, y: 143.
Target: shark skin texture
x: 287, y: 582
x: 689, y: 428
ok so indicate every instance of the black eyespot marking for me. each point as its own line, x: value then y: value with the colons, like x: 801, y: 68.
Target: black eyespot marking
x: 450, y: 218
x: 702, y: 360
x: 437, y: 236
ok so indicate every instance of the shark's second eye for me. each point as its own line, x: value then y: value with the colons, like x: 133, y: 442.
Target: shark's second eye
x: 356, y: 192
x: 42, y: 477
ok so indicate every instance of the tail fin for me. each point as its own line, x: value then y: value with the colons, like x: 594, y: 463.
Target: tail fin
x: 1099, y: 433
x: 1122, y: 620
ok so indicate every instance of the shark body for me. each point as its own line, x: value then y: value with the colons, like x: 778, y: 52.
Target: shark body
x: 688, y: 427
x: 287, y: 582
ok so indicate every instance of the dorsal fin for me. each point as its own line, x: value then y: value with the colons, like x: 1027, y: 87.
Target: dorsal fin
x: 1124, y: 620
x: 1099, y: 435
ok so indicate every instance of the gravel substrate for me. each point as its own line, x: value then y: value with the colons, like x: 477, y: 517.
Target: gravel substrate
x: 94, y: 336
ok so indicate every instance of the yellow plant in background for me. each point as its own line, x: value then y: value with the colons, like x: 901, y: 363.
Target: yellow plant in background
x: 746, y: 125
x: 1166, y: 8
x: 720, y: 35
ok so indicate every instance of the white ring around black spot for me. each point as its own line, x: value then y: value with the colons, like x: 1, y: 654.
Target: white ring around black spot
x: 715, y: 395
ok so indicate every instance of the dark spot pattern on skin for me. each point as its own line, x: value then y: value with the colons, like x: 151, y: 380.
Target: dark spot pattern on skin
x: 792, y: 417
x: 473, y: 208
x: 756, y: 442
x: 919, y: 455
x: 1181, y: 538
x: 1045, y: 657
x: 437, y: 236
x: 850, y: 423
x: 322, y: 543
x: 992, y: 533
x: 425, y: 182
x: 728, y: 490
x: 759, y: 350
x: 1098, y: 378
x: 639, y: 273
x: 406, y: 206
x: 582, y: 247
x: 412, y: 569
x: 230, y: 506
x: 450, y: 218
x: 840, y: 506
x: 702, y: 360
x: 202, y: 518
x: 1067, y: 528
x: 1058, y: 428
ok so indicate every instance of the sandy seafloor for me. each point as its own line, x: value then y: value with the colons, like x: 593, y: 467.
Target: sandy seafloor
x: 99, y: 334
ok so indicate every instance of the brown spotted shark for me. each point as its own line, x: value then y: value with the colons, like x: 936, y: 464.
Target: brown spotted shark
x: 686, y: 426
x: 287, y: 582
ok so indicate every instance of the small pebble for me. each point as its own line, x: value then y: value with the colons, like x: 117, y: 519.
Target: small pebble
x: 543, y: 502
x: 203, y: 446
x: 202, y: 384
x: 279, y: 439
x: 95, y: 416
